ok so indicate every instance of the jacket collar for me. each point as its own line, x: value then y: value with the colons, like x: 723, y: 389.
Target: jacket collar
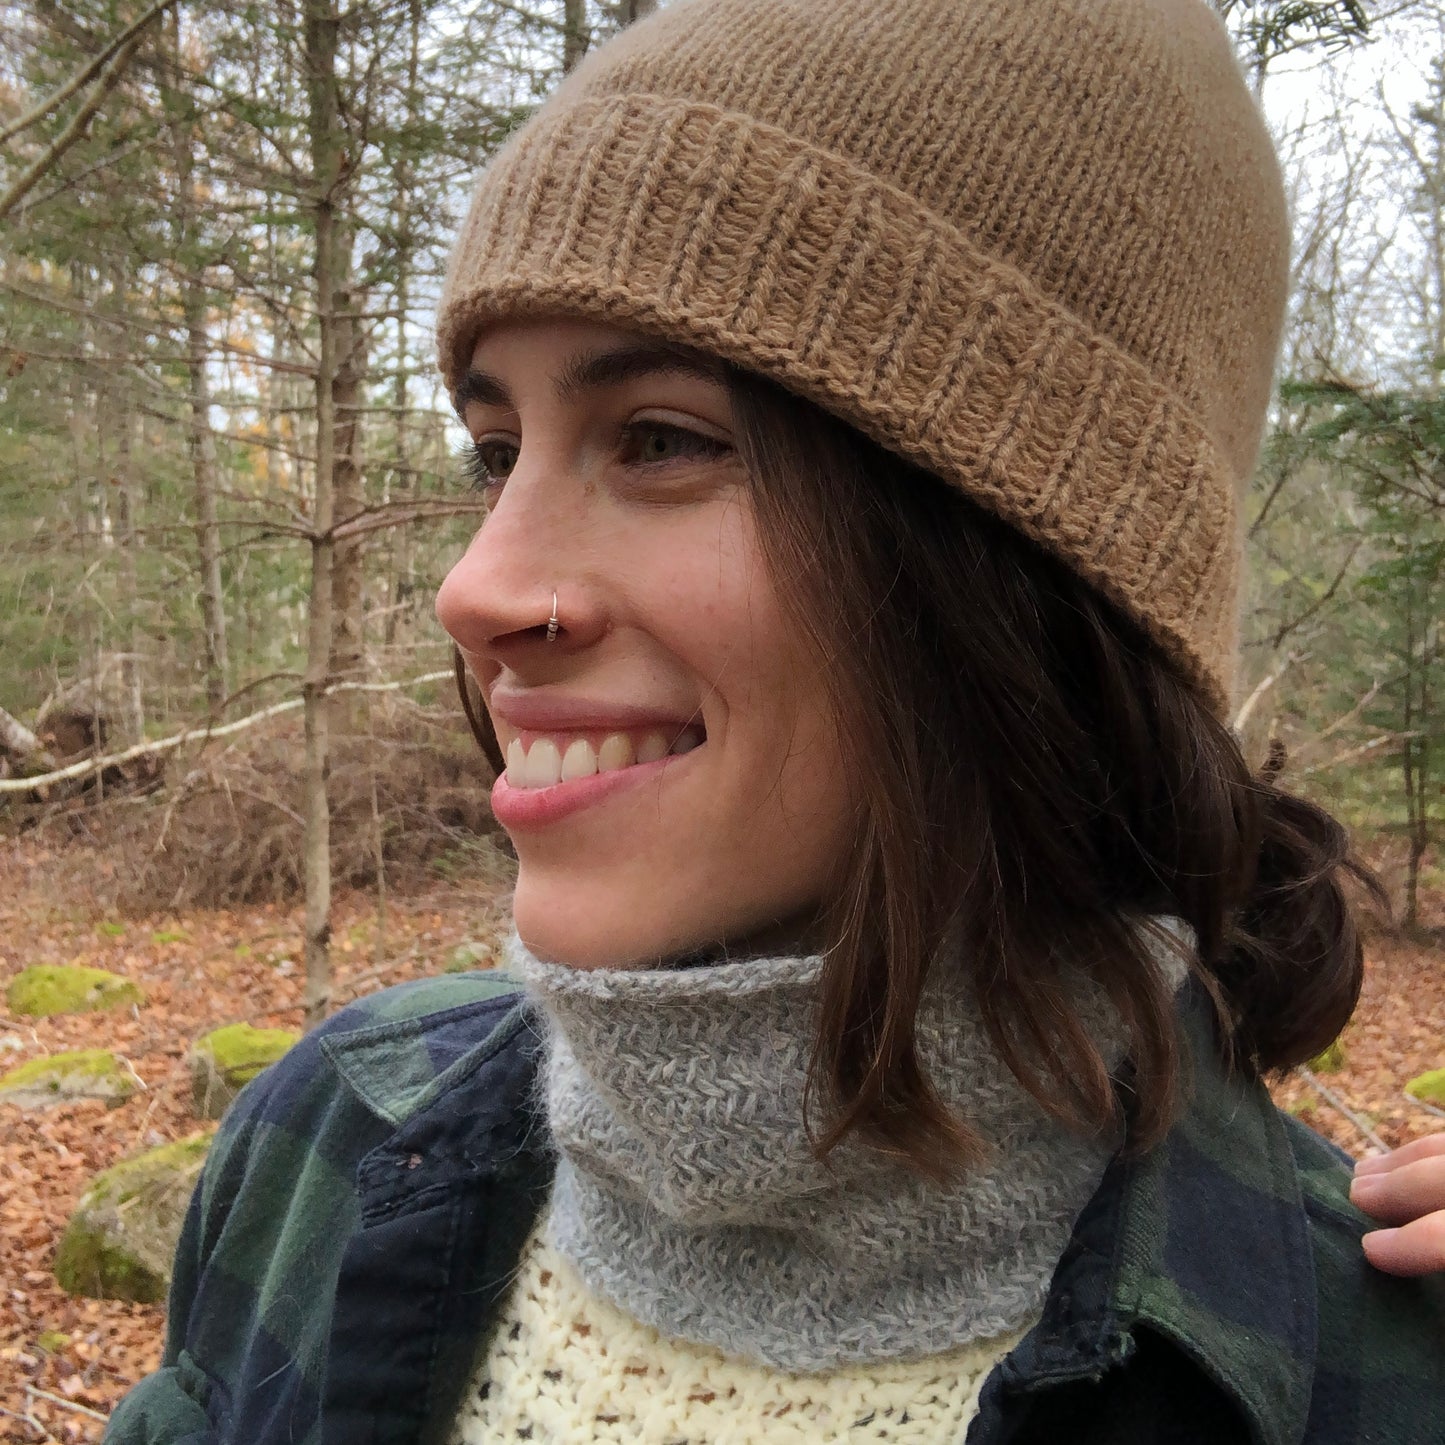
x: 445, y: 1204
x: 1202, y: 1240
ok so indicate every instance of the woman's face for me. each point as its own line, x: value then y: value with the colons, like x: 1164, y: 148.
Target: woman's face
x: 674, y: 779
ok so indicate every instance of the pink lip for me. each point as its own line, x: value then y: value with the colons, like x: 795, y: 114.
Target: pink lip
x: 535, y: 807
x: 538, y: 710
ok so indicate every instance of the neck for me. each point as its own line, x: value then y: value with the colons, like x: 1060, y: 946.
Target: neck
x: 687, y: 1191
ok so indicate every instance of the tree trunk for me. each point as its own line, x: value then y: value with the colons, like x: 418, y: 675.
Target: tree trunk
x: 320, y: 26
x: 202, y: 443
x: 200, y: 440
x: 408, y: 477
x: 128, y: 536
x: 1410, y: 777
x: 348, y: 660
x: 575, y: 35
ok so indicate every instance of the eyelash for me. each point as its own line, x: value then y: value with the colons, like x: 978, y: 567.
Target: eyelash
x: 692, y: 444
x: 474, y: 467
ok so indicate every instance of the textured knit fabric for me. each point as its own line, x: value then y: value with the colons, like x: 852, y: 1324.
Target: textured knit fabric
x: 566, y: 1367
x: 358, y: 1226
x: 687, y: 1192
x: 1038, y: 246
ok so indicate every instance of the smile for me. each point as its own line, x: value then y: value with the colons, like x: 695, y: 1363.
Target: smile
x: 543, y: 760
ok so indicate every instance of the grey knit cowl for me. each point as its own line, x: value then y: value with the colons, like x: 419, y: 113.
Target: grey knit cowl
x: 686, y: 1191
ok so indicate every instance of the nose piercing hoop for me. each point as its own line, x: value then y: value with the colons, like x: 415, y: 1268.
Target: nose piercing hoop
x: 552, y: 623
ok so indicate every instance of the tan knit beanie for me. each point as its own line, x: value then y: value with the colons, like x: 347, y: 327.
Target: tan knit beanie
x: 1038, y: 246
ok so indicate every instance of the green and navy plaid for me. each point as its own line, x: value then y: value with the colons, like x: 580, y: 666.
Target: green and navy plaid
x: 364, y: 1205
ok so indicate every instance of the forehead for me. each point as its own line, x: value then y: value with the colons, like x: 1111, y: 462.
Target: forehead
x: 542, y: 335
x: 556, y: 338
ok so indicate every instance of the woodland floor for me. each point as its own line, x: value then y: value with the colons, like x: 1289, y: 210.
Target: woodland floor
x: 205, y: 969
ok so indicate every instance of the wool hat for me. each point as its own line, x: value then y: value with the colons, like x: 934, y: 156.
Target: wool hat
x: 1039, y: 247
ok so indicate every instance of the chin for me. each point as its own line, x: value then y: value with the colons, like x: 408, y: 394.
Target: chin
x: 585, y: 928
x: 562, y: 921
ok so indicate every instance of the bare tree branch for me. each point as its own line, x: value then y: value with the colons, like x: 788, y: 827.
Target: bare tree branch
x: 200, y: 734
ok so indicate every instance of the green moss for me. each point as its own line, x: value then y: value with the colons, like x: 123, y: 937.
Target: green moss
x: 1330, y: 1060
x: 168, y: 935
x: 125, y: 1181
x: 1428, y: 1088
x: 83, y: 1073
x: 119, y: 1241
x: 57, y: 1066
x: 60, y: 989
x: 469, y: 955
x: 241, y: 1052
x: 110, y: 930
x: 87, y: 1263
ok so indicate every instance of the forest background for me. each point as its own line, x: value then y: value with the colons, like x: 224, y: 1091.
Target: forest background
x: 231, y: 753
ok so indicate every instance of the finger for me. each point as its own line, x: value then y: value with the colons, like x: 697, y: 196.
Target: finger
x: 1430, y: 1147
x: 1403, y: 1193
x: 1417, y: 1248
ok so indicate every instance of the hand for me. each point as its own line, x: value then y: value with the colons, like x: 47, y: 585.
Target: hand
x: 1406, y: 1189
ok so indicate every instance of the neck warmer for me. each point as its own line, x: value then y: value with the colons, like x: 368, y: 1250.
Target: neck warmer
x: 686, y: 1191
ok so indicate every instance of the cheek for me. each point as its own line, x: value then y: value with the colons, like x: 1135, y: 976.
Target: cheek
x: 780, y: 721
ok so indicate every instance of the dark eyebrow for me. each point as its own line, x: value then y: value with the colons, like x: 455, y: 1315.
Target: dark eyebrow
x: 596, y: 369
x: 627, y: 363
x: 479, y: 386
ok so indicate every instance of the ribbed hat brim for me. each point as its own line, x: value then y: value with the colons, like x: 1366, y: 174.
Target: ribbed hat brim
x: 708, y: 227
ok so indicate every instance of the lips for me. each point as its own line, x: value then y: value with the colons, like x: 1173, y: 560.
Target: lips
x: 519, y: 809
x: 567, y: 751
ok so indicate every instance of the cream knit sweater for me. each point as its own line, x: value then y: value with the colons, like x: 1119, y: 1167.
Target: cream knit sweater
x: 565, y: 1367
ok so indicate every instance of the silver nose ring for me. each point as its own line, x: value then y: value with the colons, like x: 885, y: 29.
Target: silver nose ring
x: 552, y: 623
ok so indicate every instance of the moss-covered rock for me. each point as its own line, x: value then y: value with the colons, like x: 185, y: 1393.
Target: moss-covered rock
x: 472, y: 954
x: 82, y: 1074
x: 227, y: 1059
x: 69, y: 989
x: 1428, y: 1088
x: 121, y: 1239
x: 1330, y: 1060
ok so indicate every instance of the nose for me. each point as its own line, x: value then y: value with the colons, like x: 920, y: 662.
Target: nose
x: 498, y: 599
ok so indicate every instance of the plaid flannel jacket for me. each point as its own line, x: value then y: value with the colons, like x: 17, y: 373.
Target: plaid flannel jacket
x: 352, y: 1237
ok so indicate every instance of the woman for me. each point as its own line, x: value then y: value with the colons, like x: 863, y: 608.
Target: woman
x: 862, y: 395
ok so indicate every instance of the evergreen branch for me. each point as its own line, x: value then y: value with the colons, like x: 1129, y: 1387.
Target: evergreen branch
x: 86, y: 73
x: 79, y: 123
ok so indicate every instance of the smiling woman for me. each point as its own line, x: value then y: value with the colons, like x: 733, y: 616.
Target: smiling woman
x: 862, y: 396
x: 672, y: 771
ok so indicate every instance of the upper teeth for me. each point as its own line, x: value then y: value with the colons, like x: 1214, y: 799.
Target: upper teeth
x: 555, y: 760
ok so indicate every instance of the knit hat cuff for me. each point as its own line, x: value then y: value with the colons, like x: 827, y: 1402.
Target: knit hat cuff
x: 707, y: 227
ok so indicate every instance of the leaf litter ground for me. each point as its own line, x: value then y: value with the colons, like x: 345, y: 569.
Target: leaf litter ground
x: 64, y: 1362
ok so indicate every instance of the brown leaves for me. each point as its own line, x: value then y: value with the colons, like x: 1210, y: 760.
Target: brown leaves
x: 1398, y: 1031
x: 64, y: 1362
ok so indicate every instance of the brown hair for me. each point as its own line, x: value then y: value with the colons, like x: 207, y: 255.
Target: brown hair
x: 1034, y: 780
